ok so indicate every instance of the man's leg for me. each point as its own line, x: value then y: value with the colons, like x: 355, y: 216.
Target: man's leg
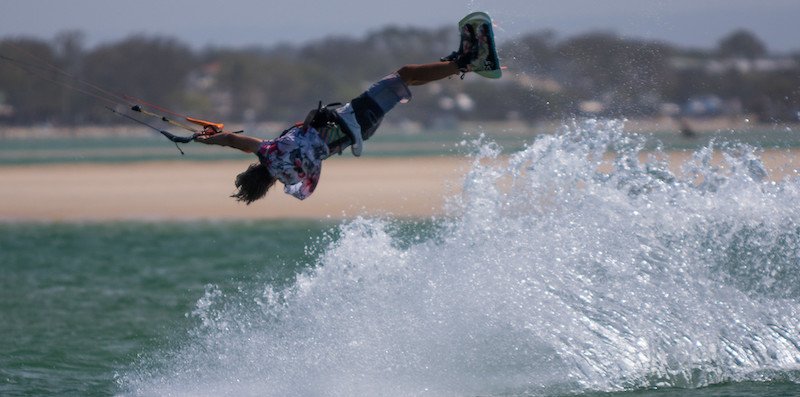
x: 363, y: 114
x: 426, y: 73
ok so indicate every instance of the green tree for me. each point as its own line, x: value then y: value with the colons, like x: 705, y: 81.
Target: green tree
x: 154, y: 69
x: 742, y: 43
x: 533, y: 53
x: 626, y: 74
x: 69, y: 52
x: 27, y: 83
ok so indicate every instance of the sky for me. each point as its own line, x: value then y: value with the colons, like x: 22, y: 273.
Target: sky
x: 240, y: 23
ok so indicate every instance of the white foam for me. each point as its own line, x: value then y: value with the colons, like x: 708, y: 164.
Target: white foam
x: 548, y: 277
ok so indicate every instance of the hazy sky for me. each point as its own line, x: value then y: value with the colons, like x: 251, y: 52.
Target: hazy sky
x: 696, y: 23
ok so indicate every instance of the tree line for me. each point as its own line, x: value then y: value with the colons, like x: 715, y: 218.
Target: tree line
x: 548, y: 77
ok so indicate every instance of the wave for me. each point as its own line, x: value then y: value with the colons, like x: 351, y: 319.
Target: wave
x: 572, y: 265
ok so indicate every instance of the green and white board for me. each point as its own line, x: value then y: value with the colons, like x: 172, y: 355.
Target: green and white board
x: 479, y: 25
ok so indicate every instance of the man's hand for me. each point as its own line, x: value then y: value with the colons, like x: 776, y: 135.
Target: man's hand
x: 211, y: 130
x: 216, y: 138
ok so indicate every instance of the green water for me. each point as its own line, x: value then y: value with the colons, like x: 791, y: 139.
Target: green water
x: 429, y: 143
x: 79, y: 302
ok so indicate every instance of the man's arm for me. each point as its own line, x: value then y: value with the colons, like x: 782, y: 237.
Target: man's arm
x: 244, y: 143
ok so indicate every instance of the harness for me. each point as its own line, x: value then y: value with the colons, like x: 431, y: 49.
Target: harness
x: 320, y: 118
x: 334, y: 131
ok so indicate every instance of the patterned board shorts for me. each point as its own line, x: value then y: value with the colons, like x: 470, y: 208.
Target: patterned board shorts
x: 366, y: 111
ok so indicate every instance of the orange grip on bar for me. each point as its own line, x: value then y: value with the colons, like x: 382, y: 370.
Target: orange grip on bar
x: 217, y: 126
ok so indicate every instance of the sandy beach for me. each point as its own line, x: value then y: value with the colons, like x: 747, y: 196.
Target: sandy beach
x: 180, y: 190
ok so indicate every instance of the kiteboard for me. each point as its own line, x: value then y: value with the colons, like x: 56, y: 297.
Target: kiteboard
x: 479, y: 25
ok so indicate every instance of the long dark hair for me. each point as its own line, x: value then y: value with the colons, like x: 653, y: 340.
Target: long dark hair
x: 253, y: 183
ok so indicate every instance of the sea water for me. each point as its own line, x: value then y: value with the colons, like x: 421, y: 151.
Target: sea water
x: 79, y: 302
x: 572, y: 266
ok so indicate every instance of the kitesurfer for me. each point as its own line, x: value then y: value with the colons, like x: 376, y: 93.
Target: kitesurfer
x: 295, y: 158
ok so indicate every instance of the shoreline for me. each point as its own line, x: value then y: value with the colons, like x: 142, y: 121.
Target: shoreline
x: 401, y: 187
x: 642, y: 125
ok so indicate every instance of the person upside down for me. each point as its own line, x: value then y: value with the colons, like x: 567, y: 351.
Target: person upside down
x: 295, y: 158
